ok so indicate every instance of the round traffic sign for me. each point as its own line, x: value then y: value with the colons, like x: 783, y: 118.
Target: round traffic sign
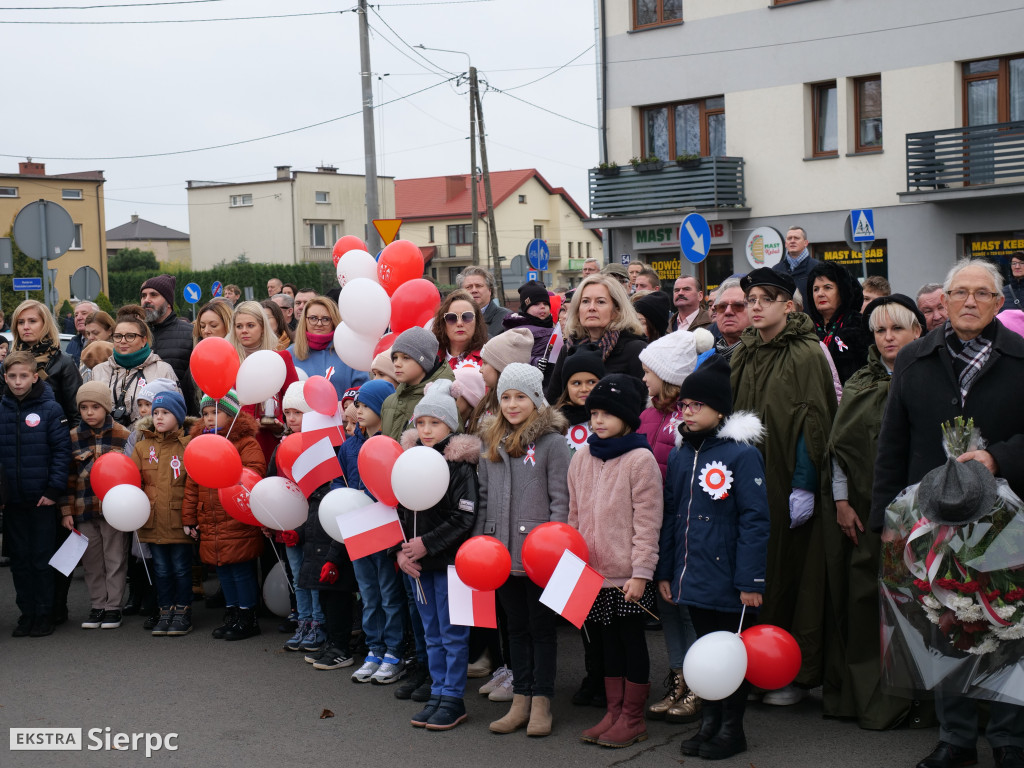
x: 85, y: 283
x: 192, y: 293
x: 695, y: 238
x: 29, y: 230
x: 217, y: 289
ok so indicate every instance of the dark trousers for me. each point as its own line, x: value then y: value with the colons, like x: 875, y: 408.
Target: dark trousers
x: 172, y: 566
x: 705, y: 622
x: 30, y: 532
x: 958, y: 722
x: 337, y: 606
x: 531, y: 637
x: 625, y: 648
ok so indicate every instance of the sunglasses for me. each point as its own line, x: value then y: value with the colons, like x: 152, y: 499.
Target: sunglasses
x: 737, y: 306
x: 451, y: 318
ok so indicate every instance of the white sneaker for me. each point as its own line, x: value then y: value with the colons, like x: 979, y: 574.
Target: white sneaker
x: 504, y: 691
x: 389, y: 671
x: 499, y: 674
x: 785, y: 697
x: 365, y: 672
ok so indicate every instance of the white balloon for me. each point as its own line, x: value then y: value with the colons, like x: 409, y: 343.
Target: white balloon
x: 715, y: 665
x: 301, y: 374
x: 260, y: 377
x: 354, y: 349
x: 126, y: 507
x: 278, y: 503
x: 355, y: 264
x: 275, y: 591
x: 420, y: 478
x: 365, y: 307
x: 338, y: 502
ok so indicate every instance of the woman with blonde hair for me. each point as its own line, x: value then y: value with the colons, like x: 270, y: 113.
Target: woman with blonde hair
x: 34, y: 331
x: 214, y: 319
x: 278, y: 325
x: 602, y: 314
x: 313, y: 351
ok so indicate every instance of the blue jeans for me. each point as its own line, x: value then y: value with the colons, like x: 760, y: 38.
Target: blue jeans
x: 307, y: 601
x: 238, y: 581
x: 678, y: 629
x: 414, y: 618
x: 380, y: 585
x: 172, y: 567
x: 447, y: 643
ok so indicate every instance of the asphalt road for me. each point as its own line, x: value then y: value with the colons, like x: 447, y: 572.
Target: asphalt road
x: 249, y: 703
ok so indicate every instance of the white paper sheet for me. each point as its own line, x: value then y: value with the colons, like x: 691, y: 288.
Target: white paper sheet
x: 70, y: 553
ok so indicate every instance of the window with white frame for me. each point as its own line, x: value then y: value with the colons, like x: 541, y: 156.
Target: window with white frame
x: 238, y: 201
x: 318, y: 235
x: 323, y: 197
x: 76, y: 244
x: 8, y: 191
x: 71, y: 194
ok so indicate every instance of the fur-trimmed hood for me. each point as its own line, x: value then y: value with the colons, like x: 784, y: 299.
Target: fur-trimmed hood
x: 457, y: 447
x: 245, y: 426
x: 740, y: 427
x: 549, y: 420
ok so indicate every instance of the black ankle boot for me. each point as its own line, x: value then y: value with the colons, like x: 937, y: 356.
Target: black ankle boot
x: 730, y: 739
x: 711, y: 721
x: 246, y: 626
x: 230, y: 617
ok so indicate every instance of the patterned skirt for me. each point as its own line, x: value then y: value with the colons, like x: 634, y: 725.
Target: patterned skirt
x: 611, y: 604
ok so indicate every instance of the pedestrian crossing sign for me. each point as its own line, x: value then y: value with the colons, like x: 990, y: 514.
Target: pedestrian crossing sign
x: 862, y: 225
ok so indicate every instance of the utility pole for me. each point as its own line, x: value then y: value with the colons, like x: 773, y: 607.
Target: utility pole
x: 369, y: 142
x: 492, y: 228
x: 472, y: 164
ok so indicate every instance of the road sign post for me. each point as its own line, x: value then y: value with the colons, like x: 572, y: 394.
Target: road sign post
x: 192, y: 293
x: 862, y: 226
x: 695, y: 238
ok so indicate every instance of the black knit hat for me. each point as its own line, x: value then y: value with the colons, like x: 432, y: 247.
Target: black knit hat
x: 768, y: 276
x: 655, y: 307
x: 533, y: 293
x: 583, y: 358
x: 895, y: 298
x: 164, y: 285
x: 710, y: 385
x: 621, y: 395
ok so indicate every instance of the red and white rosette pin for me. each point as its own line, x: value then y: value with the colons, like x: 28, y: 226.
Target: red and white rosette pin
x: 716, y: 480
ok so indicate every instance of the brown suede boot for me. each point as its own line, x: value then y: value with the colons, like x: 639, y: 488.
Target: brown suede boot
x: 613, y: 691
x: 540, y: 717
x: 517, y: 717
x: 631, y: 726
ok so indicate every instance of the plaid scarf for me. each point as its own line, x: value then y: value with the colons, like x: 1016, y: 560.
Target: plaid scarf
x: 973, y: 354
x: 88, y: 444
x: 607, y: 343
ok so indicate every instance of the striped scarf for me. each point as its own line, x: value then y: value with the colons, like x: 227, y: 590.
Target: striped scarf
x: 973, y: 353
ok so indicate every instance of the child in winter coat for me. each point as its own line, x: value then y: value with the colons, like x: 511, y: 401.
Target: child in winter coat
x: 523, y: 484
x: 535, y: 306
x: 512, y: 346
x: 414, y: 355
x: 35, y: 453
x: 105, y: 560
x: 714, y: 539
x: 582, y: 369
x: 159, y: 455
x: 144, y: 405
x: 380, y: 584
x: 230, y: 545
x: 615, y: 499
x: 433, y: 537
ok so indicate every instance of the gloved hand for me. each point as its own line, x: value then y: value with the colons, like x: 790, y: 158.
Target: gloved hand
x: 328, y: 574
x: 290, y: 538
x: 541, y: 365
x: 801, y: 507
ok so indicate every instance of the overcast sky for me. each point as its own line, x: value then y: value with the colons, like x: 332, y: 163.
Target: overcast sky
x: 96, y: 91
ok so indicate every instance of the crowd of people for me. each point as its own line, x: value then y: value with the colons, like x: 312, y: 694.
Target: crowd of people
x: 726, y: 458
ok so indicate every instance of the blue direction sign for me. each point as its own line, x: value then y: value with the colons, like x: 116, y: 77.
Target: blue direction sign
x: 862, y: 225
x: 192, y: 293
x: 538, y: 253
x: 217, y: 289
x: 695, y: 238
x: 28, y: 283
x: 531, y: 274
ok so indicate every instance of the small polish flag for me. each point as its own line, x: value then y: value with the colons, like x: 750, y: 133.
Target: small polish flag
x: 316, y: 426
x: 572, y: 589
x: 316, y: 465
x: 370, y: 529
x: 469, y: 607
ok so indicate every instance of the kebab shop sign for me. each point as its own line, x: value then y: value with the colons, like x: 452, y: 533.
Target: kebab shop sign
x: 764, y: 247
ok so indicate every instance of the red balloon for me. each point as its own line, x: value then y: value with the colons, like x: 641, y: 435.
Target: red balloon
x: 399, y: 262
x: 556, y: 304
x: 321, y: 395
x: 213, y: 461
x: 214, y: 365
x: 346, y: 244
x: 376, y: 459
x: 773, y: 656
x: 235, y: 499
x: 112, y: 469
x: 413, y: 303
x: 544, y: 547
x: 483, y: 563
x: 287, y: 452
x: 385, y: 342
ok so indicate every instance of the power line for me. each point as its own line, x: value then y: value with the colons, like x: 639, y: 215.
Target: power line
x: 407, y: 45
x: 535, y: 106
x: 228, y: 144
x: 174, y: 21
x: 93, y: 7
x: 552, y: 72
x: 398, y: 50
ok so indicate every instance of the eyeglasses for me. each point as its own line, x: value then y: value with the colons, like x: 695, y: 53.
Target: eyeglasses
x: 737, y: 306
x: 317, y: 320
x: 762, y: 301
x: 981, y: 295
x: 693, y: 407
x: 451, y: 318
x: 129, y: 337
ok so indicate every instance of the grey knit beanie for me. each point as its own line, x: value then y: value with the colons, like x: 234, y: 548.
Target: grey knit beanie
x: 526, y: 379
x: 513, y: 346
x: 438, y: 402
x: 419, y: 344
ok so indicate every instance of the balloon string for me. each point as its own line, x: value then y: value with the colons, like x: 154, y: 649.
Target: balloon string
x: 652, y: 615
x: 142, y: 557
x: 419, y: 586
x: 743, y: 613
x: 277, y: 554
x: 228, y: 433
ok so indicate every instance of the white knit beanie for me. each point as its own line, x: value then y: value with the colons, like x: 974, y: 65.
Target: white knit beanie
x: 673, y: 357
x: 524, y: 378
x: 293, y: 398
